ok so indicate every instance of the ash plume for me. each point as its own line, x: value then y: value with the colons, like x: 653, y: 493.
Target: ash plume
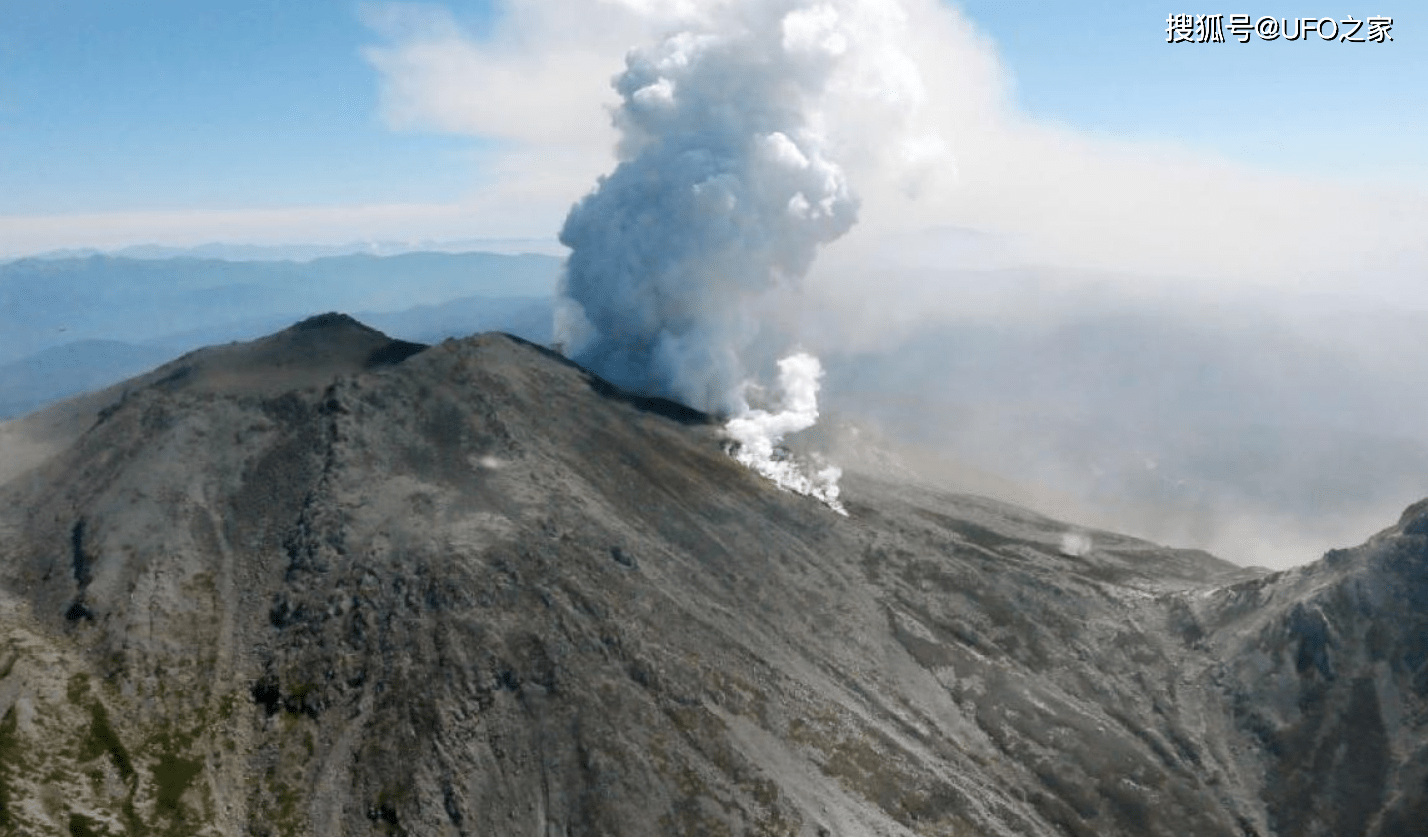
x: 724, y: 191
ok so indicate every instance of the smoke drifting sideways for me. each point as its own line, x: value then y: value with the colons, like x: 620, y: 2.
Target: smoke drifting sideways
x: 723, y: 192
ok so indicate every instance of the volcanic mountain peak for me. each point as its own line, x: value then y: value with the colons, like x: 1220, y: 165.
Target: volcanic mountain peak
x: 310, y: 353
x: 330, y: 583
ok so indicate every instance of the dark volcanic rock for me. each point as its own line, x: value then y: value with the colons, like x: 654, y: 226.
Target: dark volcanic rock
x: 336, y: 584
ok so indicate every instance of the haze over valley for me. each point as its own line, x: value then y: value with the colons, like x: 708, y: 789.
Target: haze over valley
x: 1267, y: 438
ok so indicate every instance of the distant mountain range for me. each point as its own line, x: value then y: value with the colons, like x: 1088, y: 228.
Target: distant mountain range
x: 61, y: 371
x: 76, y: 324
x: 46, y: 303
x: 70, y: 369
x: 308, y: 252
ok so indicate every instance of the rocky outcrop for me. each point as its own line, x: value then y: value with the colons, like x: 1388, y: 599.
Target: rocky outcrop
x: 330, y: 584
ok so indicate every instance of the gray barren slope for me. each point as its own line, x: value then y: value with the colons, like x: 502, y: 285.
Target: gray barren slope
x: 327, y: 583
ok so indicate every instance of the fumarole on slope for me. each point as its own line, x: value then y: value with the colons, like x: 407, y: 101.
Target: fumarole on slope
x: 327, y: 583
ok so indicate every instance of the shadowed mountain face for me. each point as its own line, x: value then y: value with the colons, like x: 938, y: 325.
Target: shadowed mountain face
x: 330, y: 583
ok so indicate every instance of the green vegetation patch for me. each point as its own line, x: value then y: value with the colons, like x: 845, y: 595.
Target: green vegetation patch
x: 102, y: 739
x: 7, y: 760
x: 173, y: 775
x: 82, y: 826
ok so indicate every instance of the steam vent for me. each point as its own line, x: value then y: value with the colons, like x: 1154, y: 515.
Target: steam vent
x: 328, y: 583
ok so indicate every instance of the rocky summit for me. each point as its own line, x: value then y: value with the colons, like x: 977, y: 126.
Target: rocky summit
x: 328, y: 583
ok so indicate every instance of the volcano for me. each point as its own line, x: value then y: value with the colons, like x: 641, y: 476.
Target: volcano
x: 329, y: 583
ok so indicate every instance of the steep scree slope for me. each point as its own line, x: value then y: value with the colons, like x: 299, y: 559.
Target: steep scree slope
x: 326, y: 583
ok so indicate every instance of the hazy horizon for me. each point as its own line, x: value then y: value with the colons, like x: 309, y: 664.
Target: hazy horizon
x: 1028, y: 172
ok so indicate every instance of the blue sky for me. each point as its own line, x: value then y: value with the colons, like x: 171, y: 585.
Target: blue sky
x: 182, y: 106
x: 1360, y: 110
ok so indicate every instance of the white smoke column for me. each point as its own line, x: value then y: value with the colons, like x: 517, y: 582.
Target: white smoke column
x: 1075, y: 544
x: 758, y: 434
x: 722, y: 193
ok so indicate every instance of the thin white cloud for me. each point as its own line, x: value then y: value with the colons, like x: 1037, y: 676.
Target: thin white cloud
x: 963, y: 157
x: 27, y: 234
x: 1056, y: 196
x: 531, y: 81
x: 538, y: 83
